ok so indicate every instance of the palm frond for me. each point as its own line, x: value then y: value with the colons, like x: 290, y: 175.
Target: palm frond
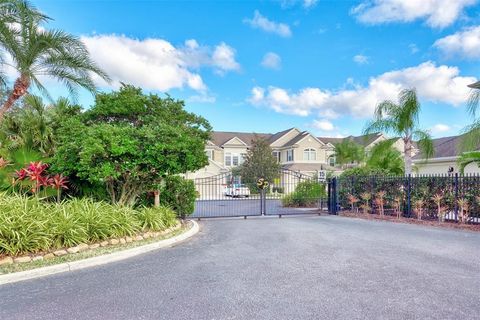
x: 424, y: 142
x: 471, y: 137
x: 386, y: 125
x: 385, y: 108
x: 467, y: 158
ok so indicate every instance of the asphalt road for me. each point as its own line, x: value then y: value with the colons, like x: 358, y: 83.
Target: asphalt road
x: 268, y: 268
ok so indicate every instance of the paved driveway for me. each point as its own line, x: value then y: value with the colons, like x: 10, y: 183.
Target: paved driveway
x: 270, y: 268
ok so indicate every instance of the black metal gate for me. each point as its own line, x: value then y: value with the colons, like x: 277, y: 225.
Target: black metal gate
x: 231, y: 195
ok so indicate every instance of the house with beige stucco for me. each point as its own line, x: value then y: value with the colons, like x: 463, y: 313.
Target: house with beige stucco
x: 445, y: 158
x: 295, y: 150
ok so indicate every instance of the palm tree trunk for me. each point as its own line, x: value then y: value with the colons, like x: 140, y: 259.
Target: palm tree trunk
x: 19, y: 90
x: 408, y: 155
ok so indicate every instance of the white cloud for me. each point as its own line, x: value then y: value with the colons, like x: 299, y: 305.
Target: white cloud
x: 271, y: 60
x: 413, y: 48
x: 202, y: 98
x: 323, y: 125
x: 437, y: 13
x: 440, y: 128
x: 309, y: 3
x: 261, y: 22
x: 441, y: 84
x: 224, y: 58
x: 360, y: 59
x: 465, y: 43
x: 156, y: 64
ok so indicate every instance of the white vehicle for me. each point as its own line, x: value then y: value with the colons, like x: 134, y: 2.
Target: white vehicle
x: 237, y: 191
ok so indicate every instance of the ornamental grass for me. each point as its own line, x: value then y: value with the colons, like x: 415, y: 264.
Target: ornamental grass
x: 30, y: 225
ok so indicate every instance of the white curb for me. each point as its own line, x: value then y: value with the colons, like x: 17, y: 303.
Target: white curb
x: 97, y: 261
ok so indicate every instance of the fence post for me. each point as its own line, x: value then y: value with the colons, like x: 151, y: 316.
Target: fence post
x: 329, y: 196
x: 409, y: 195
x: 455, y: 182
x: 335, y: 197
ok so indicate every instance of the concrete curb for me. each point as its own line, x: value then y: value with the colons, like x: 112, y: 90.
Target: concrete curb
x: 97, y: 261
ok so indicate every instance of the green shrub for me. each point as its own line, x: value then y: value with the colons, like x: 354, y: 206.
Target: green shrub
x: 179, y: 194
x: 307, y: 194
x: 156, y: 218
x: 28, y: 225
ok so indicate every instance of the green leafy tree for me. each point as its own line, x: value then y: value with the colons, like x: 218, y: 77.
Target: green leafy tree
x: 129, y: 141
x: 402, y: 120
x: 384, y: 156
x: 348, y: 152
x: 36, y: 51
x: 259, y: 162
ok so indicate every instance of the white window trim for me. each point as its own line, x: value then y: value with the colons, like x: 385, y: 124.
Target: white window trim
x: 310, y: 152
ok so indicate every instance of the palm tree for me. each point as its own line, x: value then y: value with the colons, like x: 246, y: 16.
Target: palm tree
x: 347, y: 152
x: 402, y: 120
x: 384, y: 156
x: 35, y: 52
x: 468, y: 157
x: 32, y: 125
x: 471, y: 137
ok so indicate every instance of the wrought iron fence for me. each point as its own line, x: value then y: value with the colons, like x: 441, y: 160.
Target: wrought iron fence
x: 428, y: 197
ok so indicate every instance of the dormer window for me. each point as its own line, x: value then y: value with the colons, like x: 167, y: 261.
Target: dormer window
x: 309, y: 154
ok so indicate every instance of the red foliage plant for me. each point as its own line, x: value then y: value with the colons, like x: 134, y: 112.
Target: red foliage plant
x: 36, y: 172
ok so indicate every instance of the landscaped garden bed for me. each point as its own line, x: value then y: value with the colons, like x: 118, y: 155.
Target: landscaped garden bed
x: 401, y: 219
x: 34, y: 230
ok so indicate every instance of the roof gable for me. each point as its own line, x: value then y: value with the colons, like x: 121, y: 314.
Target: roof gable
x: 235, y: 141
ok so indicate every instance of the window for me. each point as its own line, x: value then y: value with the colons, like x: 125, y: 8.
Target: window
x: 209, y: 154
x: 290, y: 155
x: 235, y: 160
x: 277, y: 155
x: 331, y: 161
x: 228, y: 159
x: 309, y: 154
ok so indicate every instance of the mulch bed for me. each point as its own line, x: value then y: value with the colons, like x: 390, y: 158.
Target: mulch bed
x: 449, y: 225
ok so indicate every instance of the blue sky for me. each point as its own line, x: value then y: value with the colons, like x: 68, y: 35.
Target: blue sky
x: 265, y: 66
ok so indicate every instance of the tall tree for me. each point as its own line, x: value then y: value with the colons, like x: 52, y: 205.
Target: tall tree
x: 36, y: 52
x: 349, y: 152
x: 402, y: 120
x: 259, y: 162
x: 384, y: 156
x: 129, y: 141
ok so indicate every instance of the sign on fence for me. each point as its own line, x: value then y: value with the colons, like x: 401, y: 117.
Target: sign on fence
x: 322, y: 176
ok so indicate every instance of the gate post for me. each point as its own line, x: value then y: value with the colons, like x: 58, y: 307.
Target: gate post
x: 456, y: 196
x: 409, y: 195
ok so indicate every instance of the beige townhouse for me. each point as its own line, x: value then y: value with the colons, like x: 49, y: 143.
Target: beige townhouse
x: 295, y: 150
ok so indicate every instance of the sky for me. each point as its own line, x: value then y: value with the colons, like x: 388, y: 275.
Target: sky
x: 265, y: 66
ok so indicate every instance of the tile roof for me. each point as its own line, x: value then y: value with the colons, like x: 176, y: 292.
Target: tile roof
x: 296, y: 139
x: 363, y: 140
x: 278, y: 135
x: 444, y: 147
x: 220, y: 137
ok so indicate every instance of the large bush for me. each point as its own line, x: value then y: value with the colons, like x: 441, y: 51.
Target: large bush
x: 306, y: 194
x: 29, y: 225
x: 179, y: 194
x: 128, y: 141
